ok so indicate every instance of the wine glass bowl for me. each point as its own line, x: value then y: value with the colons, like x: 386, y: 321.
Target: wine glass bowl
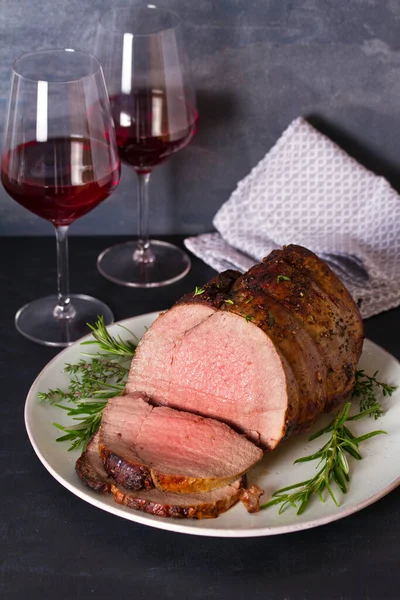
x: 154, y: 110
x: 151, y: 138
x: 59, y: 161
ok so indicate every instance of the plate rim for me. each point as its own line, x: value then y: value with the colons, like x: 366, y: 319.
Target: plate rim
x: 177, y: 526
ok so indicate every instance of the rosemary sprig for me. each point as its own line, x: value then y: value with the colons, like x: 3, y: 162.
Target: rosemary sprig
x: 333, y: 467
x: 198, y: 291
x: 79, y: 434
x: 93, y: 380
x: 366, y: 387
x: 282, y: 278
x: 110, y: 346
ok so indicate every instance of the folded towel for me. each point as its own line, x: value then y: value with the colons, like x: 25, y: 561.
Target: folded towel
x: 308, y: 191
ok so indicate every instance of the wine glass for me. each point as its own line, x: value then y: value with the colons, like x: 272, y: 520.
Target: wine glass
x: 154, y: 109
x: 59, y: 160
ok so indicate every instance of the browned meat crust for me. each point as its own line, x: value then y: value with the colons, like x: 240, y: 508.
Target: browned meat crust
x: 130, y: 476
x: 214, y: 292
x: 320, y: 301
x: 177, y: 506
x: 90, y: 469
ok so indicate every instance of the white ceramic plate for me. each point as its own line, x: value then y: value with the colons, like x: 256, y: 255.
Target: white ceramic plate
x: 371, y: 478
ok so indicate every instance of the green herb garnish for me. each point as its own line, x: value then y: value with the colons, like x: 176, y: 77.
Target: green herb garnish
x: 365, y: 388
x: 198, y: 291
x: 333, y: 466
x: 248, y: 318
x: 92, y: 381
x: 229, y: 301
x: 282, y: 278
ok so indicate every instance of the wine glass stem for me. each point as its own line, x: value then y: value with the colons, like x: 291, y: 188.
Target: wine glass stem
x: 64, y: 308
x: 143, y: 253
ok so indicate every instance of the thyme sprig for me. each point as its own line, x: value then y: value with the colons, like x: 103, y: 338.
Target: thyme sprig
x: 333, y: 467
x: 100, y: 378
x: 94, y: 379
x: 366, y: 388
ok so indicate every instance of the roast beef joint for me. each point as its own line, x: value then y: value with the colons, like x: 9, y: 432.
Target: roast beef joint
x: 227, y: 373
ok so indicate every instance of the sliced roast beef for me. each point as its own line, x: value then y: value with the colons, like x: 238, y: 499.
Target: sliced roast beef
x: 206, y: 505
x: 195, y: 506
x: 252, y: 361
x: 307, y: 305
x: 143, y: 446
x: 296, y: 346
x: 170, y: 326
x: 121, y: 423
x: 225, y: 368
x: 162, y: 337
x: 324, y: 310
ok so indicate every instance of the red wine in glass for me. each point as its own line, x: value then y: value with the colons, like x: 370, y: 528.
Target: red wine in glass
x: 59, y: 182
x: 142, y: 127
x: 59, y: 161
x: 153, y: 105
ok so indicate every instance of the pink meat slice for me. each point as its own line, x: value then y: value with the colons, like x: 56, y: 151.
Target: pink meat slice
x: 90, y: 469
x: 144, y: 446
x: 225, y: 368
x: 266, y: 356
x: 161, y: 339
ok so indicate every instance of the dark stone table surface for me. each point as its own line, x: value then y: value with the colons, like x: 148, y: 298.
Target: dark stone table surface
x: 54, y: 545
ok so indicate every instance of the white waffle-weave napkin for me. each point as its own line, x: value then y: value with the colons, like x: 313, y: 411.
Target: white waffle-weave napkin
x: 308, y: 191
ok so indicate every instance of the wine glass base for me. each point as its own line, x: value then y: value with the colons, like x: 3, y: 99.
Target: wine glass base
x: 36, y: 322
x: 169, y: 265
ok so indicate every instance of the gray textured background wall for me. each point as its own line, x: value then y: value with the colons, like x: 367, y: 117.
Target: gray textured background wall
x: 257, y: 65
